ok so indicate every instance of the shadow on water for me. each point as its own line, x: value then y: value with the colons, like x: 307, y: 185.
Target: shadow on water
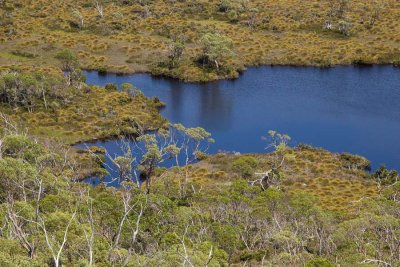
x: 343, y: 109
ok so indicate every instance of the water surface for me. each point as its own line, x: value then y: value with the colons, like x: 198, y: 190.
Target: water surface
x: 342, y: 109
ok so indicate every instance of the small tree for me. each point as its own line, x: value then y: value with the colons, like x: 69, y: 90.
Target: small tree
x: 68, y: 59
x: 245, y: 166
x: 128, y: 88
x: 279, y: 146
x: 152, y: 157
x: 345, y: 27
x: 385, y: 177
x: 99, y: 9
x: 252, y: 17
x: 78, y: 15
x: 217, y: 48
x: 175, y: 51
x: 179, y: 145
x: 70, y: 65
x: 375, y: 14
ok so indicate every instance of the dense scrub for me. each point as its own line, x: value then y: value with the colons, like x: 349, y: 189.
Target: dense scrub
x: 200, y: 40
x: 213, y: 217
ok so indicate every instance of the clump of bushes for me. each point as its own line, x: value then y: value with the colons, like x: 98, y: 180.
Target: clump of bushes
x: 245, y: 166
x: 34, y: 90
x: 355, y: 162
x: 111, y: 87
x: 385, y: 177
x: 217, y: 51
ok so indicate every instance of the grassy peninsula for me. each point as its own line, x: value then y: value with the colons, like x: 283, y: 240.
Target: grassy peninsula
x: 48, y: 104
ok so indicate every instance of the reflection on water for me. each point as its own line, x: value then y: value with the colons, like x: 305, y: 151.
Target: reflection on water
x: 341, y: 109
x: 212, y: 101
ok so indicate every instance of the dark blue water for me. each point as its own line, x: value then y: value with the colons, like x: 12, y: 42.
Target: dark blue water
x: 342, y: 109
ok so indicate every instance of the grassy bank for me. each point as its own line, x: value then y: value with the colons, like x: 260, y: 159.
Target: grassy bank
x: 168, y: 38
x: 339, y: 182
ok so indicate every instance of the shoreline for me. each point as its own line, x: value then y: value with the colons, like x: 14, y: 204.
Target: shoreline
x: 169, y: 77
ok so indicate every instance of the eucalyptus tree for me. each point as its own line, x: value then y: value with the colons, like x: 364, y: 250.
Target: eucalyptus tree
x: 31, y: 90
x: 376, y: 12
x: 25, y: 193
x: 252, y: 17
x: 79, y: 17
x: 344, y: 27
x: 70, y: 65
x: 175, y: 145
x: 19, y: 89
x: 178, y: 143
x: 175, y: 51
x: 217, y: 49
x: 68, y: 60
x: 280, y: 153
x: 386, y: 177
x: 99, y: 8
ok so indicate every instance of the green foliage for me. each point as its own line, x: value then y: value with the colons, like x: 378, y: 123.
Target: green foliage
x: 12, y: 259
x: 128, y: 88
x: 35, y: 90
x: 19, y: 146
x: 226, y: 236
x: 222, y: 223
x: 217, y: 50
x: 245, y: 166
x: 355, y: 162
x: 175, y: 52
x: 385, y: 177
x: 68, y: 59
x: 345, y: 27
x: 232, y: 16
x: 303, y: 203
x: 13, y: 172
x: 319, y: 262
x: 111, y: 87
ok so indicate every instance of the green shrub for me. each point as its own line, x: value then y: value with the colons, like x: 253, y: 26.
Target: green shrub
x: 233, y: 16
x: 111, y: 87
x: 245, y: 166
x: 19, y: 146
x: 384, y: 176
x: 319, y: 262
x: 354, y: 161
x: 248, y: 255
